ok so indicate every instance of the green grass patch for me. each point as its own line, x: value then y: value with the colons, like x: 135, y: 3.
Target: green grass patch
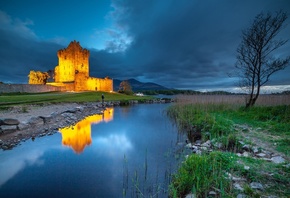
x: 200, y: 174
x: 57, y: 97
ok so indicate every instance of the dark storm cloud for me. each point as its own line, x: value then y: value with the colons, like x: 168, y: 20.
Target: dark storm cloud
x: 19, y: 55
x: 187, y: 41
x: 181, y: 44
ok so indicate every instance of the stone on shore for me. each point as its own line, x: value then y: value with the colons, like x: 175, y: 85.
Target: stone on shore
x: 9, y: 121
x: 278, y: 159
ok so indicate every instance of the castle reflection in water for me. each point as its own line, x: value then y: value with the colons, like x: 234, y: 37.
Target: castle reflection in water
x: 78, y: 136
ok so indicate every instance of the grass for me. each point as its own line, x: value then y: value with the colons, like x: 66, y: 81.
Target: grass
x: 201, y: 174
x: 56, y: 97
x: 267, y: 123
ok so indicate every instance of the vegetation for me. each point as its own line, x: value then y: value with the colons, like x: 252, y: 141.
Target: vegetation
x: 226, y: 123
x: 38, y: 77
x: 255, y: 63
x: 125, y: 88
x: 56, y: 97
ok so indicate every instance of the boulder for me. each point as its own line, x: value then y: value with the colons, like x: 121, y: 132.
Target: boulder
x: 10, y: 121
x: 278, y: 159
x: 36, y: 121
x: 9, y: 128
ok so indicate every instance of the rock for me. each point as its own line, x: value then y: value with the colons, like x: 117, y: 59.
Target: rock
x: 256, y: 185
x: 203, y: 148
x: 278, y: 159
x: 46, y: 119
x: 10, y: 121
x: 190, y: 195
x: 255, y: 149
x: 23, y: 126
x: 241, y: 196
x: 71, y: 111
x: 266, y: 159
x: 238, y: 187
x: 212, y: 193
x: 246, y: 147
x: 36, y: 121
x: 1, y: 142
x: 237, y: 179
x: 246, y: 154
x: 9, y: 128
x: 189, y: 145
x: 206, y: 144
x: 246, y: 167
x: 79, y: 108
x: 261, y: 154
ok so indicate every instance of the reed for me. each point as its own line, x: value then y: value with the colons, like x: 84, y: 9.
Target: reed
x: 233, y: 100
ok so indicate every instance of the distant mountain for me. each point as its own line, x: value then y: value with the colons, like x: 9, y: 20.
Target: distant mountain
x: 139, y: 86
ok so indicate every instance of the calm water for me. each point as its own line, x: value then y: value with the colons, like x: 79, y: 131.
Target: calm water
x: 128, y: 152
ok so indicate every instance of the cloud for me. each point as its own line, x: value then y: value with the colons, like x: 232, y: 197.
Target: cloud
x: 12, y: 165
x: 21, y: 50
x: 178, y: 44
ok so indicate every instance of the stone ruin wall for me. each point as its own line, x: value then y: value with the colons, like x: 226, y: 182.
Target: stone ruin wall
x: 25, y: 88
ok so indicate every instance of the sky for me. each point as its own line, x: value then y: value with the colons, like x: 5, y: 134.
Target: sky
x: 182, y: 44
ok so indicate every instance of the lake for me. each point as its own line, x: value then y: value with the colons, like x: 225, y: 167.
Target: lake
x: 127, y: 152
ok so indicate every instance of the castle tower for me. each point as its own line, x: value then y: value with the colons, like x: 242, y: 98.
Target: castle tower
x: 72, y: 61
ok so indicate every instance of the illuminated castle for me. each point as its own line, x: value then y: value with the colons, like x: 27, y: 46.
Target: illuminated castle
x: 72, y: 71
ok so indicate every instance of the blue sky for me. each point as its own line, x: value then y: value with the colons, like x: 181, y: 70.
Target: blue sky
x: 184, y: 44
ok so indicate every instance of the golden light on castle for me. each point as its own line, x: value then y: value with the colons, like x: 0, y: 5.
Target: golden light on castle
x: 78, y: 136
x: 72, y: 72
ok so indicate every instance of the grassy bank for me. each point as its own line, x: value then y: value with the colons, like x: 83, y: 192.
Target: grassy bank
x: 226, y: 122
x: 56, y: 97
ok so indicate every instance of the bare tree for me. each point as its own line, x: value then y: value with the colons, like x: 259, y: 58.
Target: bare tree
x: 255, y: 62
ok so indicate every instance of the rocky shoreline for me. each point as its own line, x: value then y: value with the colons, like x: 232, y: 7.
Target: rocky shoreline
x: 16, y: 129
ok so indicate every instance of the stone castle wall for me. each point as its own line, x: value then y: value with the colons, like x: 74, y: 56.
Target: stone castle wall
x: 99, y: 84
x: 25, y: 88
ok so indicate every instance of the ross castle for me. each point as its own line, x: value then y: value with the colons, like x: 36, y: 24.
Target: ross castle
x: 72, y: 72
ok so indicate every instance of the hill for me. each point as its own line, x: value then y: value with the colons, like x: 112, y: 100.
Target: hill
x: 139, y: 86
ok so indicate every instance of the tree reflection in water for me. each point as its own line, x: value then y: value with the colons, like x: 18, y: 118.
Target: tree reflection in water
x: 78, y: 136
